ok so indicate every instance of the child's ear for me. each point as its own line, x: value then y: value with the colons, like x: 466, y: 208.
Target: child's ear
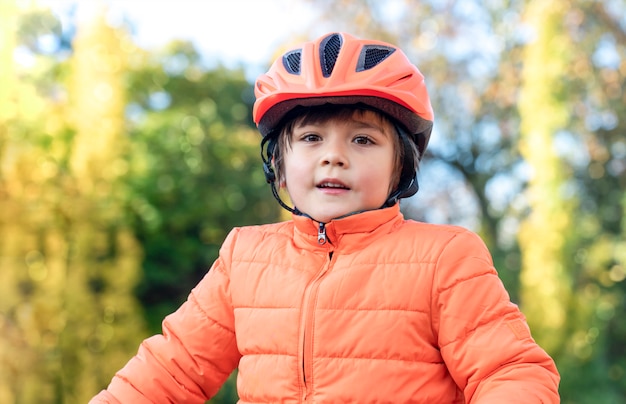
x: 281, y: 182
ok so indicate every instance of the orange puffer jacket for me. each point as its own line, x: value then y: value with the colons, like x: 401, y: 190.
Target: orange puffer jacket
x: 388, y: 310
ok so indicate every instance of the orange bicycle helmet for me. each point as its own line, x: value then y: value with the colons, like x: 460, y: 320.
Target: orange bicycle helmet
x: 339, y: 68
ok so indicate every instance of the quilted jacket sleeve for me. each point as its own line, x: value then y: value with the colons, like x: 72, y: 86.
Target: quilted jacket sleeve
x: 484, y: 338
x: 195, y: 354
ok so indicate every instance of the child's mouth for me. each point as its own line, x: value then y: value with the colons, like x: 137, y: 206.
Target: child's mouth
x: 331, y: 185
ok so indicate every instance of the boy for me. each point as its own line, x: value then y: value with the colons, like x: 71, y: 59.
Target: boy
x: 347, y: 302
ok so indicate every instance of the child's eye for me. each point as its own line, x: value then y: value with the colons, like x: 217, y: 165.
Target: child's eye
x: 363, y: 140
x: 310, y: 137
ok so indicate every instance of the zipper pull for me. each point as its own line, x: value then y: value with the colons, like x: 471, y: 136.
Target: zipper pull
x: 321, y: 234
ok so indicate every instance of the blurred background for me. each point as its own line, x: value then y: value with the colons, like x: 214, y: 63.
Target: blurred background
x: 127, y: 153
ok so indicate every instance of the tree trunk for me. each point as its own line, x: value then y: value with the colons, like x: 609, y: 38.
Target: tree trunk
x: 545, y: 278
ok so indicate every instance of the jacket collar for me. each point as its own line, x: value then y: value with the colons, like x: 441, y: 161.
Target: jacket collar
x: 349, y: 233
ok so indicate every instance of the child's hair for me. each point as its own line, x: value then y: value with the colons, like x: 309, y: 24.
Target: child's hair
x: 325, y: 113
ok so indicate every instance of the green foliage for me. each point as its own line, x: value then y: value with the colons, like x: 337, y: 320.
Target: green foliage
x: 196, y: 172
x: 93, y: 217
x: 69, y: 262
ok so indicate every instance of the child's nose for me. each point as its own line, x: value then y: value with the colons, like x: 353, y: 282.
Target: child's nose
x: 334, y: 154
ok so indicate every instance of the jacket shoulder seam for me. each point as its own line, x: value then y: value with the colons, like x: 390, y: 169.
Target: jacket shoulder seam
x: 195, y: 302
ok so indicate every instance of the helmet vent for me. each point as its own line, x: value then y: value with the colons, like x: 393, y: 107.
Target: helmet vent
x: 329, y: 51
x: 372, y: 55
x: 291, y: 61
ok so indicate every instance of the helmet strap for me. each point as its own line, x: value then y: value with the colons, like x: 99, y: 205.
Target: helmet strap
x: 267, y: 155
x: 408, y: 185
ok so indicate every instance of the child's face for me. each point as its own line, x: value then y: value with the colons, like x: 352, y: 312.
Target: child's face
x: 340, y: 166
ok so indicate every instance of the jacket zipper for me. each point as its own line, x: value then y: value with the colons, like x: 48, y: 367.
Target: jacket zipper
x: 308, y: 309
x: 321, y: 234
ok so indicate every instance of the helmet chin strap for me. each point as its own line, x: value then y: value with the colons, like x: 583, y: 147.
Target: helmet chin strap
x: 267, y: 154
x: 405, y: 191
x: 293, y: 210
x: 408, y: 185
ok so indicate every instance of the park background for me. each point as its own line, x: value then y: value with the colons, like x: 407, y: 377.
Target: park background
x: 125, y: 159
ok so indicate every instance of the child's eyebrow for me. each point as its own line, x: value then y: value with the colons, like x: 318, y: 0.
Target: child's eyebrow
x: 356, y: 122
x: 368, y: 125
